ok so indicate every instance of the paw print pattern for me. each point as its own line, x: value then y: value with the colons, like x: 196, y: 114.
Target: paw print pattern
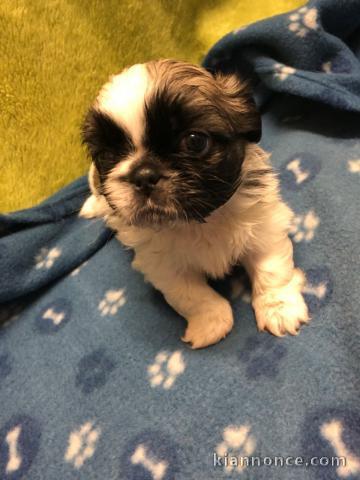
x: 262, y: 355
x: 318, y: 289
x: 47, y: 257
x: 54, y: 316
x: 299, y: 170
x: 112, y: 301
x: 354, y: 166
x: 303, y: 21
x: 82, y: 444
x: 333, y: 432
x: 5, y: 366
x: 303, y: 227
x: 151, y: 456
x: 19, y: 445
x: 283, y: 71
x: 237, y: 442
x: 166, y: 368
x: 94, y: 370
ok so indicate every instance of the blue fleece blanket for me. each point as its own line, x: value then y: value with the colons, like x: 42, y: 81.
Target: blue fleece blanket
x: 94, y: 380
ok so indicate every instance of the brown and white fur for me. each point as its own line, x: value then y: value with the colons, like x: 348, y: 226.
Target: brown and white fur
x: 177, y: 255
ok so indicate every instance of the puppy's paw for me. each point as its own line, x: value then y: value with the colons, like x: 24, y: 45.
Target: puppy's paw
x: 282, y: 310
x: 94, y: 206
x: 207, y: 328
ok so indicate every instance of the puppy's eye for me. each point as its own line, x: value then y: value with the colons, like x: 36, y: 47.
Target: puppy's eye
x: 195, y: 142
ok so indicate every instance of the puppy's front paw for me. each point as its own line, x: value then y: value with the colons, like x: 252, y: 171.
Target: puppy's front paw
x: 209, y: 327
x: 282, y: 310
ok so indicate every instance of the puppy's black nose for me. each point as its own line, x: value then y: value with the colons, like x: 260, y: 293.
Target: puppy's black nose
x: 145, y: 178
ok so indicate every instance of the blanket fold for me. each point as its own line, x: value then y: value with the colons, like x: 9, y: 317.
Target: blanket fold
x: 312, y: 52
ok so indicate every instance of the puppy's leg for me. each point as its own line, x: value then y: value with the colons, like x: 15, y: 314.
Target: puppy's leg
x: 208, y: 314
x: 276, y: 287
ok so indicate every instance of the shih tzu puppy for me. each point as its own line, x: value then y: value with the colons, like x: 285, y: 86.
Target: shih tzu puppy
x: 177, y: 173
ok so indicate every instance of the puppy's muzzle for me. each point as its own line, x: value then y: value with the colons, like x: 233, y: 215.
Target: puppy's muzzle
x: 145, y: 177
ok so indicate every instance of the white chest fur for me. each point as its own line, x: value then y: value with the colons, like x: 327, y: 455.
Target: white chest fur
x: 213, y: 247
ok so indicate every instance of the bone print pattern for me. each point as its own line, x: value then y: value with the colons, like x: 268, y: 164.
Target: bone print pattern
x: 333, y: 432
x: 54, y: 316
x: 95, y: 382
x: 156, y: 468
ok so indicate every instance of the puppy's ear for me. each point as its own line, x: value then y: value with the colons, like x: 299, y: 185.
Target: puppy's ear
x: 239, y: 104
x: 96, y: 132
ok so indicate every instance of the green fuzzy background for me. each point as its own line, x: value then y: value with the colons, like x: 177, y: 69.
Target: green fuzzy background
x: 54, y: 56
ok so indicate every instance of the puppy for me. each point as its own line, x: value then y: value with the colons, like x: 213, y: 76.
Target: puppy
x: 177, y: 173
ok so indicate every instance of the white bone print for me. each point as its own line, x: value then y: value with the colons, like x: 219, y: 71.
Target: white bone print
x: 319, y: 290
x: 155, y: 467
x: 15, y: 459
x: 56, y: 318
x: 332, y: 431
x: 295, y: 168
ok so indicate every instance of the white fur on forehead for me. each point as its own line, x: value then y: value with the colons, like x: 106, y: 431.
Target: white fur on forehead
x: 123, y: 99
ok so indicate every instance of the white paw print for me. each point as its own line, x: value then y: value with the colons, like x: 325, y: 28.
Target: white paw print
x: 82, y: 444
x: 303, y: 226
x: 46, y: 257
x: 113, y: 300
x: 283, y: 71
x: 354, y: 166
x: 164, y: 371
x: 303, y: 21
x: 237, y: 442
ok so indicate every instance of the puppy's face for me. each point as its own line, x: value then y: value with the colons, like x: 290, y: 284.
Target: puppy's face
x: 168, y: 141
